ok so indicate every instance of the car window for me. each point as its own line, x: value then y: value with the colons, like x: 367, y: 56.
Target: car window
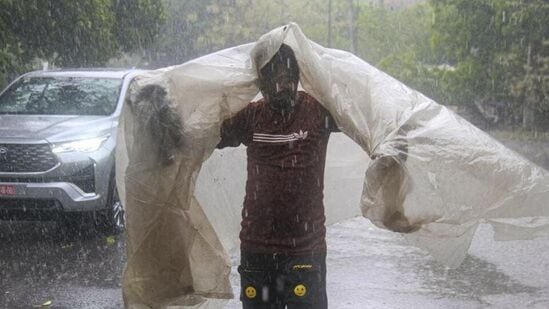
x: 61, y: 96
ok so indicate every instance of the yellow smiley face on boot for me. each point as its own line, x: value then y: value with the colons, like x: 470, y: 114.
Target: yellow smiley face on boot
x: 250, y: 292
x: 300, y: 290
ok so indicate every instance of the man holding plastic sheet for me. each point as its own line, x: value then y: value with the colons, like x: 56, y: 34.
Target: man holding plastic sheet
x: 283, y: 246
x: 175, y: 254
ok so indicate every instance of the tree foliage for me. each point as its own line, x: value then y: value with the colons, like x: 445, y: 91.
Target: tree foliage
x: 461, y: 52
x: 499, y: 50
x: 73, y: 33
x: 137, y: 23
x: 194, y: 28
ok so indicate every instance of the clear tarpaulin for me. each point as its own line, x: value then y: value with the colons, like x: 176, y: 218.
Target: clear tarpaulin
x: 414, y: 167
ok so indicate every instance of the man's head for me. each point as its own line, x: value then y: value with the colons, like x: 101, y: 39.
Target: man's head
x: 279, y: 78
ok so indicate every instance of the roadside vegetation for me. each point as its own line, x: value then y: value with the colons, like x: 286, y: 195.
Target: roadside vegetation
x: 489, y: 59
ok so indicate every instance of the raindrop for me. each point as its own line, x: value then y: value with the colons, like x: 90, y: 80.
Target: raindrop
x: 306, y: 226
x: 293, y: 242
x: 265, y: 293
x: 288, y: 63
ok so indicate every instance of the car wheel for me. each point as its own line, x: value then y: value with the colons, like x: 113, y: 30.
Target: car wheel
x: 111, y: 219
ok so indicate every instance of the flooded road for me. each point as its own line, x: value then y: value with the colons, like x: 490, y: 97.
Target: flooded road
x: 367, y: 268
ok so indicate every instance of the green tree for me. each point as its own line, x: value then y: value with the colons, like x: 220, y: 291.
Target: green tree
x: 137, y: 23
x: 73, y: 33
x: 194, y: 28
x: 467, y: 35
x: 527, y: 60
x: 498, y: 51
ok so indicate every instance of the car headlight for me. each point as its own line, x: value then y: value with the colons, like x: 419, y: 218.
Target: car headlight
x: 85, y: 145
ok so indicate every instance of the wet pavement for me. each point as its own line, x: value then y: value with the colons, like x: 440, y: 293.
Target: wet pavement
x: 384, y: 271
x: 39, y: 262
x: 367, y: 268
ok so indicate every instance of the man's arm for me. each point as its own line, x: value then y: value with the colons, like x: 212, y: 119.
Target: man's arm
x: 234, y: 130
x: 329, y: 123
x: 388, y: 182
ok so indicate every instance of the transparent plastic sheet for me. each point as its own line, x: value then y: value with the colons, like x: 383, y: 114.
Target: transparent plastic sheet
x: 442, y: 174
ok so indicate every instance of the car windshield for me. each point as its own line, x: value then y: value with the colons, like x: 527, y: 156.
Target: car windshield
x: 61, y: 96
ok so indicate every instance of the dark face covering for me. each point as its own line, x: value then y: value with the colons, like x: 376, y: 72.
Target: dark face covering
x: 279, y: 79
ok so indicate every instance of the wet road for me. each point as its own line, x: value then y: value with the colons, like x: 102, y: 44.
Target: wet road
x: 389, y: 273
x: 373, y: 268
x: 367, y: 268
x: 39, y: 263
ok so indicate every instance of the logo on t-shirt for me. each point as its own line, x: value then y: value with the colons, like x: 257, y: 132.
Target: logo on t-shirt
x: 277, y: 138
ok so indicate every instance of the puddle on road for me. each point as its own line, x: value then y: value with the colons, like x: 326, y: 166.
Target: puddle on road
x: 474, y: 279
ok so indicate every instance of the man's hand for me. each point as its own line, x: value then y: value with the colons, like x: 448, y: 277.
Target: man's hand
x: 397, y: 222
x: 387, y: 186
x: 164, y: 123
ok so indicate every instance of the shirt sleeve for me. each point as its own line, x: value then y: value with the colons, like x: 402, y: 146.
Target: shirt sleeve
x: 328, y: 122
x: 234, y: 130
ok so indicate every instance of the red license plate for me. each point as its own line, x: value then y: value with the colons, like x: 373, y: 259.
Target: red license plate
x: 7, y: 190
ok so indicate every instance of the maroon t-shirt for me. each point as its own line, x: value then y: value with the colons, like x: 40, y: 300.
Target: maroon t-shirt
x: 283, y: 210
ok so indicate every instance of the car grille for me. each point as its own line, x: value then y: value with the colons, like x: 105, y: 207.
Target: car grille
x: 26, y: 158
x: 84, y: 179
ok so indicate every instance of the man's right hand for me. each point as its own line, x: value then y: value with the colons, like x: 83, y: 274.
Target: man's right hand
x: 164, y: 123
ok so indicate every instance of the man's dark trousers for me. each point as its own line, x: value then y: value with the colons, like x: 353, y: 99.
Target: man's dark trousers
x: 278, y: 281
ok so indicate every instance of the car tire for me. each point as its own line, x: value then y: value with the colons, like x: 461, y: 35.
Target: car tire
x: 111, y: 220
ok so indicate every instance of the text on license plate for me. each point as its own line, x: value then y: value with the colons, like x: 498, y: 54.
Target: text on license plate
x: 7, y: 190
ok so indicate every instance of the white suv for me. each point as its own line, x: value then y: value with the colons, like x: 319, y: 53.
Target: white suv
x: 57, y: 142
